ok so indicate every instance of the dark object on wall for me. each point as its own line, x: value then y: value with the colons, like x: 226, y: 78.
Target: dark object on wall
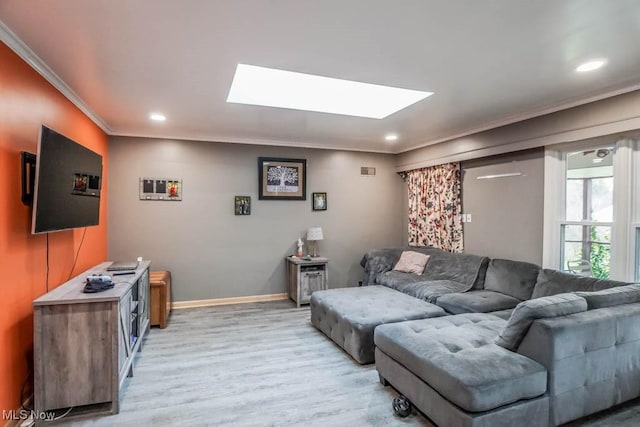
x: 282, y: 179
x: 319, y: 201
x: 160, y: 189
x: 28, y: 173
x: 68, y: 180
x: 242, y: 205
x: 147, y: 186
x: 161, y: 186
x: 367, y: 171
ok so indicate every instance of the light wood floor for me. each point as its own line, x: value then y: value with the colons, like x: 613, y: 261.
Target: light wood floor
x: 260, y: 365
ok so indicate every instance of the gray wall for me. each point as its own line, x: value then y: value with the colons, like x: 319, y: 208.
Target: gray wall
x: 214, y: 254
x: 506, y: 213
x: 619, y: 114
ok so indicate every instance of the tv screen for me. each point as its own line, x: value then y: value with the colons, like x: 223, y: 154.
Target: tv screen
x: 67, y: 185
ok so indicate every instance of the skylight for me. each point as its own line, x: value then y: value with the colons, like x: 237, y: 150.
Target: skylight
x: 287, y: 89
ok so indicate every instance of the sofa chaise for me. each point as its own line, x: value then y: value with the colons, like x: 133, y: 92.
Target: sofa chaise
x: 568, y: 356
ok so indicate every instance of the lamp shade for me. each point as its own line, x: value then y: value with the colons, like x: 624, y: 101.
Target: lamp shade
x: 314, y: 233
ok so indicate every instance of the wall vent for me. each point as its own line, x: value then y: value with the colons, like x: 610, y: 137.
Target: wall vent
x: 367, y: 171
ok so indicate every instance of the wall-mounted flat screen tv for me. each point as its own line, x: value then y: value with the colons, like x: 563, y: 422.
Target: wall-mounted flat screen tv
x: 67, y: 184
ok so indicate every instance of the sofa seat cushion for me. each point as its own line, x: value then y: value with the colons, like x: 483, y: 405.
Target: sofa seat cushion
x: 476, y: 302
x: 394, y: 279
x: 349, y: 315
x: 417, y: 286
x: 552, y: 282
x: 456, y: 356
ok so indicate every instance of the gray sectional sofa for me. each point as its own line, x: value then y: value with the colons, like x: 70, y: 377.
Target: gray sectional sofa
x: 489, y: 342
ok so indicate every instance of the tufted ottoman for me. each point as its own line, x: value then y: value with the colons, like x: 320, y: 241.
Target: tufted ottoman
x: 349, y: 315
x: 452, y: 370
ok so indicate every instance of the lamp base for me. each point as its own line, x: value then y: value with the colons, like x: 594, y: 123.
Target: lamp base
x: 315, y: 249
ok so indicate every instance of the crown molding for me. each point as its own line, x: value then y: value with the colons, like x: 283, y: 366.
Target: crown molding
x: 549, y: 109
x: 250, y: 141
x: 23, y: 51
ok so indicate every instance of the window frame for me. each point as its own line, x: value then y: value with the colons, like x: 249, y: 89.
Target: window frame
x: 626, y: 215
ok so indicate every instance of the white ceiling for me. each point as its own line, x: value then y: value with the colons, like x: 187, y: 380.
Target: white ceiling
x: 489, y: 62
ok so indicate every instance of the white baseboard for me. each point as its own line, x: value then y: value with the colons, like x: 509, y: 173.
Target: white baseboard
x: 226, y: 301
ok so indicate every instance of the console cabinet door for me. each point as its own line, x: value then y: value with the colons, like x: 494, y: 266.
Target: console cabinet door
x: 143, y: 290
x: 311, y: 281
x: 73, y: 354
x: 124, y: 333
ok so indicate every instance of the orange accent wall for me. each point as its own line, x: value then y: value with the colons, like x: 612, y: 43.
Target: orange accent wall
x: 27, y: 101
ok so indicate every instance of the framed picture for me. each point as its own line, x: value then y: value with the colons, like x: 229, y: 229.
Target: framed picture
x: 319, y: 201
x: 282, y: 179
x: 159, y: 189
x: 242, y: 205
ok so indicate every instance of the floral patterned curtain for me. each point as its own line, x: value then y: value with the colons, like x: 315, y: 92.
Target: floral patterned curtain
x: 435, y: 207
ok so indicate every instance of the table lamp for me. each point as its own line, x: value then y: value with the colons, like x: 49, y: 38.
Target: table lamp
x: 313, y: 235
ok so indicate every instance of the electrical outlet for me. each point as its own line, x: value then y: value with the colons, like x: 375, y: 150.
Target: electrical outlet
x: 468, y: 218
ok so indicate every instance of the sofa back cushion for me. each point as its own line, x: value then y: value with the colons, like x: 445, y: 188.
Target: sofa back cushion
x: 513, y: 278
x: 526, y: 312
x: 619, y: 295
x: 466, y: 269
x: 552, y: 282
x: 462, y: 268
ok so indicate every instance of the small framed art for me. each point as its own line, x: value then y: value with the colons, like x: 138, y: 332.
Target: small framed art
x: 319, y: 201
x: 242, y: 205
x: 160, y: 189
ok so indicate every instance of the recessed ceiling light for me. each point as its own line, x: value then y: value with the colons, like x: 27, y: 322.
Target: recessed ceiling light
x: 391, y: 137
x: 591, y: 65
x: 157, y: 117
x: 287, y: 89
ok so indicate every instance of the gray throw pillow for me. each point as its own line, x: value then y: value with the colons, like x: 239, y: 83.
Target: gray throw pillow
x: 526, y: 312
x: 610, y: 297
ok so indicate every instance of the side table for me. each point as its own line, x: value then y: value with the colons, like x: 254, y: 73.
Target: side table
x: 305, y: 277
x: 160, y: 282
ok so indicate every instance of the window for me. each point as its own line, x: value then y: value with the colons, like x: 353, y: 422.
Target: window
x: 592, y: 208
x: 586, y: 228
x: 637, y: 269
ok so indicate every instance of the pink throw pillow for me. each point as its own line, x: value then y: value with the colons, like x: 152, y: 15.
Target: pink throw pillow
x: 411, y: 262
